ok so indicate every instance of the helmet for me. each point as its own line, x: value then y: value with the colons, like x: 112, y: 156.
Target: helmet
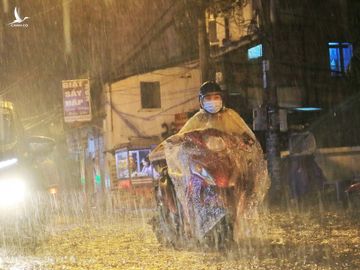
x: 209, y: 87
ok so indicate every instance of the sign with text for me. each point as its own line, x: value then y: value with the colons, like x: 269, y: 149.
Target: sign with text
x: 77, y: 102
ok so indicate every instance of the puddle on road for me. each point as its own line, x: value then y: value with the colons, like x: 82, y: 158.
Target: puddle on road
x: 20, y: 262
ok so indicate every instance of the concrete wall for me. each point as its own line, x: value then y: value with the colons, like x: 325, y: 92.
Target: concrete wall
x: 124, y: 115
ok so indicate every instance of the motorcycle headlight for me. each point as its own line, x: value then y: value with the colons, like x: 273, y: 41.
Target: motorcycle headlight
x: 215, y: 143
x: 199, y: 170
x: 8, y: 162
x: 53, y: 190
x: 12, y: 192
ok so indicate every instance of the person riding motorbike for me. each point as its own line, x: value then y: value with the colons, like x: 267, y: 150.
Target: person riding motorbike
x: 214, y: 114
x: 215, y: 166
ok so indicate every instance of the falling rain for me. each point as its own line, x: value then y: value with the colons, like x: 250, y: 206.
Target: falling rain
x: 179, y: 134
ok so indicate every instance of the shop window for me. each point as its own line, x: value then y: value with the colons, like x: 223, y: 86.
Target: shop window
x: 122, y: 164
x: 340, y: 54
x: 150, y: 95
x: 255, y: 52
x: 135, y: 162
x: 129, y: 163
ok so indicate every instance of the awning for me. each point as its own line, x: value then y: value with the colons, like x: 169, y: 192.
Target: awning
x: 136, y: 143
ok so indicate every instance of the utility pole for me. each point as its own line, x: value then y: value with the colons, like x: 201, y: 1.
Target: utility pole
x: 268, y: 22
x: 204, y: 50
x: 270, y: 100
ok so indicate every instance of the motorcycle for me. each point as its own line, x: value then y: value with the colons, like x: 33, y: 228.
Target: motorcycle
x: 353, y: 194
x: 23, y: 194
x: 210, y: 183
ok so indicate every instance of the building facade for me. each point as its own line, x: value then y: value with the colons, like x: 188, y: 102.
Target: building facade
x: 141, y: 111
x: 313, y: 45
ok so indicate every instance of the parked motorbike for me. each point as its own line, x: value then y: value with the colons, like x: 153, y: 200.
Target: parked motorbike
x: 211, y: 181
x: 353, y: 194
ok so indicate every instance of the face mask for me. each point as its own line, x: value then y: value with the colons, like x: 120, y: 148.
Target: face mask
x: 212, y: 106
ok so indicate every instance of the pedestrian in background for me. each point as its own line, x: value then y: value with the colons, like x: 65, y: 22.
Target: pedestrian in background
x: 305, y: 175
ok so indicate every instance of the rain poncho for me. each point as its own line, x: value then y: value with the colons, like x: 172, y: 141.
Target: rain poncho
x: 227, y: 121
x: 214, y: 152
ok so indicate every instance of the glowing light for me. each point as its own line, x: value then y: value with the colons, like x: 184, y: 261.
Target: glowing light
x: 52, y: 191
x: 7, y: 163
x: 255, y: 52
x: 12, y: 192
x: 308, y: 109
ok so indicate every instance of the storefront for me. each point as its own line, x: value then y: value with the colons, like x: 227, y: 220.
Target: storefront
x: 133, y: 179
x: 130, y: 167
x: 133, y: 170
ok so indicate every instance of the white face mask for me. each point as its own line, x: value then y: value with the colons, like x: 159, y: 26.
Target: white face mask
x: 213, y: 106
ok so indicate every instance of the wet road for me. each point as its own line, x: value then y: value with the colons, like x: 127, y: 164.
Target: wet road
x: 282, y: 240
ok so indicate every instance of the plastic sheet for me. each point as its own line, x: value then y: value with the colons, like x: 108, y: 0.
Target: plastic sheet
x: 217, y: 169
x: 227, y: 121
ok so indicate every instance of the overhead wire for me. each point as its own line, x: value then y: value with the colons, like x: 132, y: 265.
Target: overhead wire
x: 13, y: 84
x: 32, y: 74
x: 49, y: 117
x: 156, y: 114
x: 184, y: 92
x: 139, y: 100
x: 141, y: 42
x: 124, y: 115
x: 164, y: 83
